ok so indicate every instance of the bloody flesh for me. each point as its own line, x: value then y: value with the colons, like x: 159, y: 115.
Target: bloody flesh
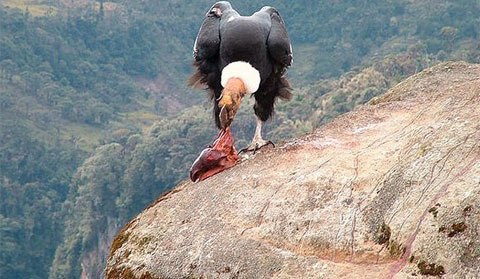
x: 217, y: 158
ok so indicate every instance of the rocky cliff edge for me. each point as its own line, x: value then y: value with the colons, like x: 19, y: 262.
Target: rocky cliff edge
x: 390, y: 190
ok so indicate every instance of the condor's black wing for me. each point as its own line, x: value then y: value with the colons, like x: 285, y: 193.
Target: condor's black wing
x: 205, y: 50
x: 278, y: 43
x: 207, y: 42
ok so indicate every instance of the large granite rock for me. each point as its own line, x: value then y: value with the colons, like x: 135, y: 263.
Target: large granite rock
x: 391, y: 190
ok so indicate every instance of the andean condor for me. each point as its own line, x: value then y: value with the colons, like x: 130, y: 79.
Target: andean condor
x: 237, y: 55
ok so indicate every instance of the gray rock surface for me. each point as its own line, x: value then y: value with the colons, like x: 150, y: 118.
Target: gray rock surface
x: 390, y: 190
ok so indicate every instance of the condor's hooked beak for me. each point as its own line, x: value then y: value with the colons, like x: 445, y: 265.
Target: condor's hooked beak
x: 230, y: 100
x: 221, y: 156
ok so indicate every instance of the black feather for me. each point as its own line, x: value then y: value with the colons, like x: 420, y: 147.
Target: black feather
x: 261, y: 40
x: 278, y: 42
x: 208, y: 39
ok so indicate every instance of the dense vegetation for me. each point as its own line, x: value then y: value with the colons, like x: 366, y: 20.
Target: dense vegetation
x: 80, y: 153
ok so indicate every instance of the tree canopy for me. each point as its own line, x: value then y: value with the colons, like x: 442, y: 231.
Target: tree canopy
x: 97, y: 121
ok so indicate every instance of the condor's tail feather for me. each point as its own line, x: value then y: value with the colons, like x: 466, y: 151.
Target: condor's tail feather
x: 195, y: 81
x: 284, y: 89
x: 207, y: 75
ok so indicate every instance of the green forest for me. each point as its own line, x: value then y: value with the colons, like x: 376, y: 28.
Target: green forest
x: 97, y: 121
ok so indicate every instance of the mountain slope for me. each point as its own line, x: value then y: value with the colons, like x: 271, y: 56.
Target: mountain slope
x: 79, y: 77
x: 389, y: 190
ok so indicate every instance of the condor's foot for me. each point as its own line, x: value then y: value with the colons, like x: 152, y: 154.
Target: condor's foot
x: 256, y: 145
x: 257, y: 141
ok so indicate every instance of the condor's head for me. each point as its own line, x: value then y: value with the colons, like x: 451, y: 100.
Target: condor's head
x: 238, y: 79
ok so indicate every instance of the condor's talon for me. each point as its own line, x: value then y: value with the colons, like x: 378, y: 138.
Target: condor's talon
x: 257, y: 142
x: 255, y: 149
x: 270, y: 143
x: 256, y: 145
x: 243, y: 150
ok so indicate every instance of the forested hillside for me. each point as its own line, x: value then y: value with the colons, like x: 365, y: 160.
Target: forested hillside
x: 96, y: 120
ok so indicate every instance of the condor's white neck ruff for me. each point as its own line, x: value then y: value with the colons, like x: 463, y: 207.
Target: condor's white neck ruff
x: 244, y: 71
